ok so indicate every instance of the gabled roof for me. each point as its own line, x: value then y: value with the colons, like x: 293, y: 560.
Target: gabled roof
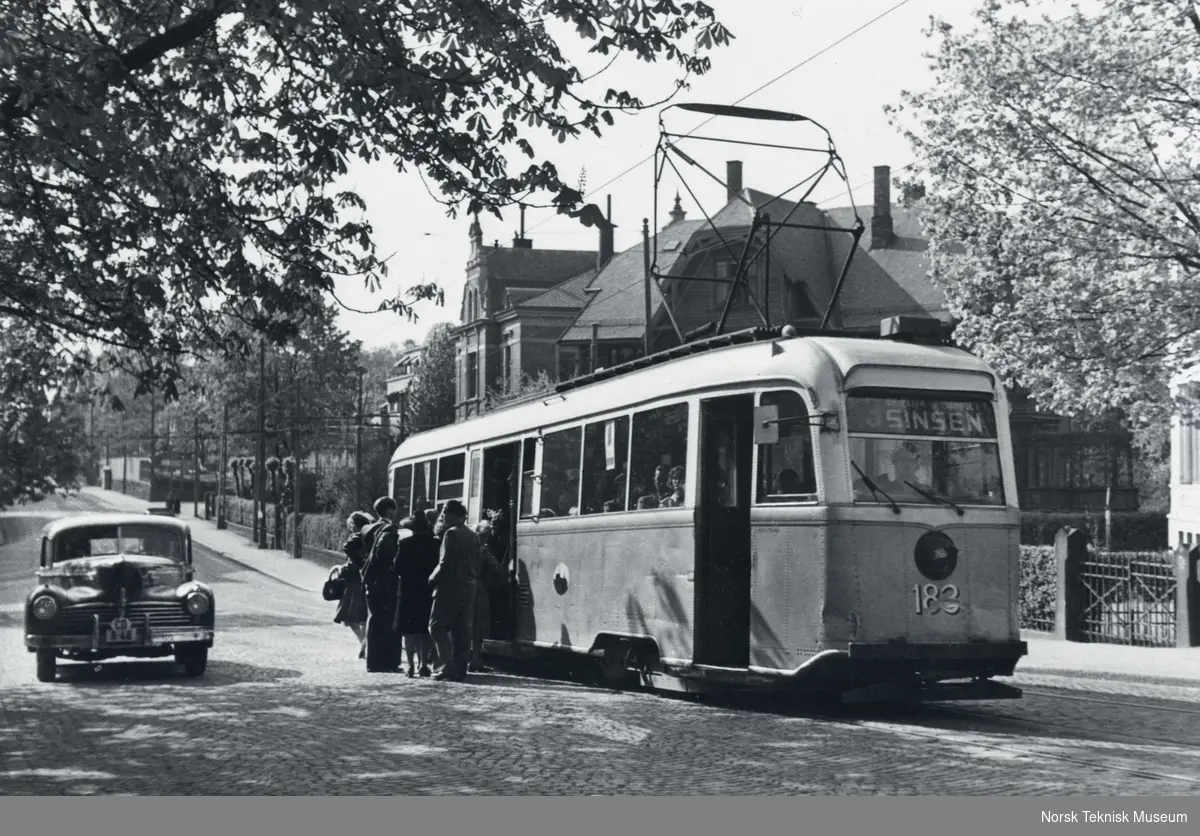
x: 892, y: 280
x: 619, y: 306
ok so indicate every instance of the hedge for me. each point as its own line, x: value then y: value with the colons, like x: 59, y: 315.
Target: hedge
x: 323, y: 531
x: 1039, y: 587
x: 1132, y: 530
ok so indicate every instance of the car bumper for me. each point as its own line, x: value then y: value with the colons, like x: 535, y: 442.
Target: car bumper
x: 157, y: 638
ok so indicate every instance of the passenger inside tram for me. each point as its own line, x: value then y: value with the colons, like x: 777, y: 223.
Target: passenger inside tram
x: 674, y: 496
x: 909, y: 470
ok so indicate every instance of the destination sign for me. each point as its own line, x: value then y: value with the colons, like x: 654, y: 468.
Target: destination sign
x: 921, y: 416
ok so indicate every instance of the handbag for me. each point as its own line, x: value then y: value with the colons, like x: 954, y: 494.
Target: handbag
x: 335, y: 584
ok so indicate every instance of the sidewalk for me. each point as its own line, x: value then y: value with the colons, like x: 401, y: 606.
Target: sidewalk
x: 278, y: 565
x: 1162, y: 665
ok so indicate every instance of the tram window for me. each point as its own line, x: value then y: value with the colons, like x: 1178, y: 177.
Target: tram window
x: 605, y: 450
x: 451, y: 477
x: 658, y: 458
x: 560, y: 473
x: 528, y: 472
x: 785, y: 468
x: 424, y: 484
x: 402, y: 488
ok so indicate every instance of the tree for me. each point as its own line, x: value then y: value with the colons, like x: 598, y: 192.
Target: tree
x: 378, y: 363
x: 163, y: 163
x: 431, y: 393
x: 42, y: 433
x: 1061, y: 160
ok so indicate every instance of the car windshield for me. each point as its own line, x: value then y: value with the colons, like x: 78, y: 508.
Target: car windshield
x: 925, y: 449
x: 108, y: 540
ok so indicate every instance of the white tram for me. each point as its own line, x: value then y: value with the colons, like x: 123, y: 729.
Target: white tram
x: 828, y: 513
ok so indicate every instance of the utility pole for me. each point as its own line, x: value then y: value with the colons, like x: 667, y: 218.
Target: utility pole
x: 260, y: 466
x: 296, y: 473
x: 224, y: 461
x: 153, y: 467
x: 358, y: 444
x: 196, y: 467
x: 646, y: 280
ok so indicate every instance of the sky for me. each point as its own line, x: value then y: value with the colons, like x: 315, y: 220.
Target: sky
x: 845, y: 89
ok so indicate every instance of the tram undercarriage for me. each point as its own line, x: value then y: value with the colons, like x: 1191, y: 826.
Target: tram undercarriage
x: 863, y: 674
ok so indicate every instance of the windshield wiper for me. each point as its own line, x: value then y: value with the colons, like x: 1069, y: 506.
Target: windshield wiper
x: 932, y: 497
x: 875, y: 489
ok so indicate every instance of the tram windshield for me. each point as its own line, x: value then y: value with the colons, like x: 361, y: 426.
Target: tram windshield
x: 924, y: 450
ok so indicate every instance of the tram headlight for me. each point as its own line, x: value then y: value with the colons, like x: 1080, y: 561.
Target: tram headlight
x: 936, y: 555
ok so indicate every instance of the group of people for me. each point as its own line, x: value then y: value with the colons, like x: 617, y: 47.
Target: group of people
x: 417, y: 589
x: 666, y: 491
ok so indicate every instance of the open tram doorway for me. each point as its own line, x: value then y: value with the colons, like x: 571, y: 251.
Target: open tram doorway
x: 723, y: 532
x: 501, y: 476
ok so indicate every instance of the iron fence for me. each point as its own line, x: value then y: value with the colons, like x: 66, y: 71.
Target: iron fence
x: 1129, y: 598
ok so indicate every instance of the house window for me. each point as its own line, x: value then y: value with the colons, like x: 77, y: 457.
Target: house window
x: 726, y: 268
x: 472, y: 375
x: 507, y: 383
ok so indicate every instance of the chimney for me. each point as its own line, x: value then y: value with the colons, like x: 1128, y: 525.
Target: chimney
x: 881, y: 221
x: 606, y: 240
x: 733, y: 179
x: 520, y: 242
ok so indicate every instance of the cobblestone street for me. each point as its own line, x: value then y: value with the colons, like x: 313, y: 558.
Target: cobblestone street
x: 287, y: 708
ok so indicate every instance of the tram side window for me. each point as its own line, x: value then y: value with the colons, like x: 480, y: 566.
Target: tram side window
x: 402, y: 488
x: 658, y: 458
x: 451, y: 477
x: 476, y: 480
x: 785, y: 468
x: 605, y: 450
x: 528, y: 476
x: 560, y: 473
x: 424, y: 485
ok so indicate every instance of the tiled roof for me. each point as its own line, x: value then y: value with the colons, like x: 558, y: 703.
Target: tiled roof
x: 892, y: 280
x: 883, y: 282
x: 533, y: 267
x: 619, y: 308
x: 568, y: 295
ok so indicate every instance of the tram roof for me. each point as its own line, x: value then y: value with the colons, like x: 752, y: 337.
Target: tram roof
x: 725, y: 366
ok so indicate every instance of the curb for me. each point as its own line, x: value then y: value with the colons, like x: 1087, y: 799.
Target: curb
x: 1106, y: 676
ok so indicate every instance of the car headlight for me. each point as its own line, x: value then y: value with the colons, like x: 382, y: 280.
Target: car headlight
x: 44, y: 607
x: 197, y: 603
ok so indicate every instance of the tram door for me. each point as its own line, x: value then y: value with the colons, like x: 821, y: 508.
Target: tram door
x: 501, y: 475
x: 723, y: 532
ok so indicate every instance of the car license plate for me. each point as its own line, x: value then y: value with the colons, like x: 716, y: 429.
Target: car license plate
x: 121, y: 630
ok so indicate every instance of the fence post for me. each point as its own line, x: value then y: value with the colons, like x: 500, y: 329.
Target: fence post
x: 1070, y: 551
x: 1187, y: 596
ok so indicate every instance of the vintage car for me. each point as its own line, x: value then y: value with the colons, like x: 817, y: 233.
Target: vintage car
x: 114, y: 585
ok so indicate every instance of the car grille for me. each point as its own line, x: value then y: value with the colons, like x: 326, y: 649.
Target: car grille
x: 77, y: 620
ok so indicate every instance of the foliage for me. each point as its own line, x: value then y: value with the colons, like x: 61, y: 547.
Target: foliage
x: 1039, y: 587
x: 169, y: 169
x: 1131, y: 529
x: 1061, y: 160
x: 378, y: 363
x: 323, y: 531
x: 42, y: 432
x: 431, y: 392
x: 527, y: 387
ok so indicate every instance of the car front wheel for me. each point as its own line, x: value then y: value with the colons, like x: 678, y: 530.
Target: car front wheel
x: 193, y: 659
x: 47, y: 665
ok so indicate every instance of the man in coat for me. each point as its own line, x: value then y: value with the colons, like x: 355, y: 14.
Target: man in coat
x: 380, y: 584
x: 453, y: 583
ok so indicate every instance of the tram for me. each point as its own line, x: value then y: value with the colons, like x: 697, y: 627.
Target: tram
x: 769, y: 509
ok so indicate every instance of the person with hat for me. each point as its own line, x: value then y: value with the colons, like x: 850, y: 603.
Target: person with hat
x: 453, y: 583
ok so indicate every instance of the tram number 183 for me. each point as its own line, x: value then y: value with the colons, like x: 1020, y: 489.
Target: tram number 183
x: 931, y: 599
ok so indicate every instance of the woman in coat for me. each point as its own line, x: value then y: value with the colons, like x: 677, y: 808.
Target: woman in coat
x: 416, y: 558
x: 352, y: 609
